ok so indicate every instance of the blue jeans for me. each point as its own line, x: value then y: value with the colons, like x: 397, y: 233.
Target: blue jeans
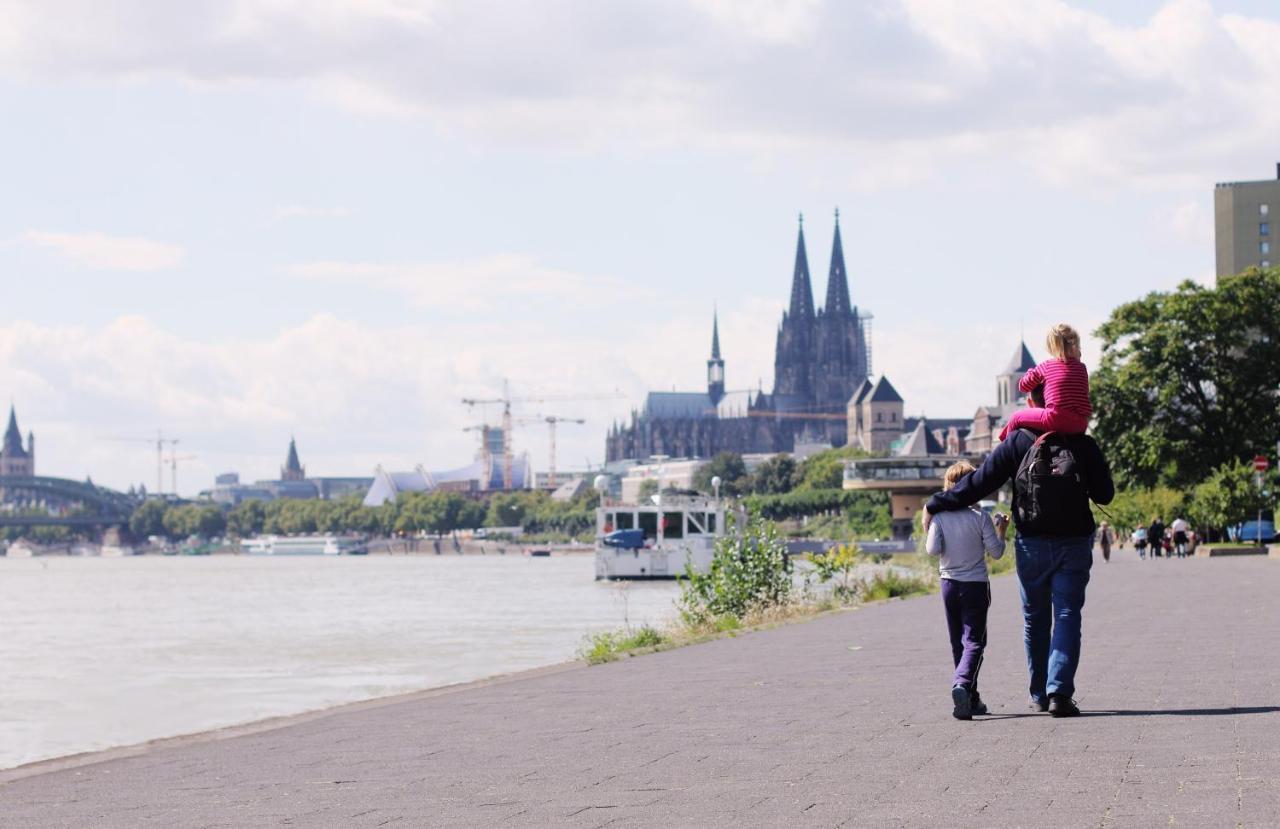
x: 1053, y: 572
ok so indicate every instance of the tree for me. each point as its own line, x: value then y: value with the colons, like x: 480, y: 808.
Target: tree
x: 246, y: 518
x: 728, y: 466
x: 648, y: 489
x: 1230, y: 496
x: 775, y: 476
x: 1188, y: 379
x: 148, y: 519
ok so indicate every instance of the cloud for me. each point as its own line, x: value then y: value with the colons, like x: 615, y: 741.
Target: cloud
x: 298, y: 211
x: 112, y: 253
x: 896, y: 88
x: 471, y: 285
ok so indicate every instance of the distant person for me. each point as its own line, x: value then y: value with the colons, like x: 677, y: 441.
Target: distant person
x: 1065, y: 382
x: 1105, y: 537
x: 1180, y: 529
x: 1054, y: 545
x: 960, y: 538
x: 1155, y: 536
x: 1140, y: 541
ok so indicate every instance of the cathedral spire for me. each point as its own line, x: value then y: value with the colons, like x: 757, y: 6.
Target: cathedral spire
x: 715, y: 334
x: 837, y: 281
x: 715, y: 366
x: 801, y: 291
x: 12, y: 436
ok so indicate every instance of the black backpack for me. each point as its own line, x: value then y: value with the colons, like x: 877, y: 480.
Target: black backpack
x: 1050, y: 493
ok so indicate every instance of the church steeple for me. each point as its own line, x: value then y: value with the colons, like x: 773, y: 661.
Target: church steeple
x: 801, y: 290
x: 715, y: 366
x: 292, y: 469
x: 12, y: 446
x: 837, y: 281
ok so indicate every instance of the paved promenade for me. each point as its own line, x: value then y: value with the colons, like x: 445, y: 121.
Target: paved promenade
x: 844, y: 721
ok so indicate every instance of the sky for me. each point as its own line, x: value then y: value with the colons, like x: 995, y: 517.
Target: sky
x: 243, y: 220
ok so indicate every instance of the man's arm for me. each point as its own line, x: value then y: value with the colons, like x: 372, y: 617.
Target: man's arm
x: 999, y: 467
x: 1034, y: 377
x: 1097, y: 472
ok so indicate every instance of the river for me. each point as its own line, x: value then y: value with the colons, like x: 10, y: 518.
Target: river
x: 96, y: 652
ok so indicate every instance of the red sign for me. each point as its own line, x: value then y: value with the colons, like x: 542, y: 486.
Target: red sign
x: 1260, y: 463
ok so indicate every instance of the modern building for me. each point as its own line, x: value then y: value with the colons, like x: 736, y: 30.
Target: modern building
x: 820, y: 357
x: 1243, y: 213
x: 17, y: 460
x: 485, y: 474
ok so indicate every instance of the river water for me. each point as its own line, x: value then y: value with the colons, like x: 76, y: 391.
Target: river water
x: 99, y: 652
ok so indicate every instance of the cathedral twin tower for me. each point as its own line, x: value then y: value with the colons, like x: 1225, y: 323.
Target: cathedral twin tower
x: 820, y: 359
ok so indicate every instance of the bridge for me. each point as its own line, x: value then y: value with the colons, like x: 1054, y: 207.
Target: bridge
x: 40, y: 501
x: 910, y: 481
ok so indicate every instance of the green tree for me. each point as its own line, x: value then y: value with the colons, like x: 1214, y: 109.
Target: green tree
x: 148, y: 519
x: 727, y: 466
x: 1188, y: 379
x: 648, y: 489
x: 246, y: 518
x: 1229, y: 496
x: 750, y: 570
x: 775, y: 476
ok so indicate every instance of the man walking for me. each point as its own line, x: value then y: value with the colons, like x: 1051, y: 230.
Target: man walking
x: 1055, y: 478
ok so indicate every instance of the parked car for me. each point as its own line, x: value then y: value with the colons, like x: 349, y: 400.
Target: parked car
x: 1258, y: 531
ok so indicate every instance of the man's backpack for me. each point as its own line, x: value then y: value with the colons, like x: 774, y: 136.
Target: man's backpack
x: 1050, y: 492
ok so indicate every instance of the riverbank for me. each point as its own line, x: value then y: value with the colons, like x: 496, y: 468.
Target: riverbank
x: 842, y: 719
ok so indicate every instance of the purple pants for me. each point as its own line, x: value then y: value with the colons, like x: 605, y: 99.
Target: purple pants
x: 966, y: 603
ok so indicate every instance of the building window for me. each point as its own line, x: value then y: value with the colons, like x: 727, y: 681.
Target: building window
x: 879, y: 417
x: 1264, y: 209
x: 1265, y: 247
x: 1264, y: 228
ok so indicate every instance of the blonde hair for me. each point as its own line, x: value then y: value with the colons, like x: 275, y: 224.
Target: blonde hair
x: 955, y: 472
x: 1063, y: 342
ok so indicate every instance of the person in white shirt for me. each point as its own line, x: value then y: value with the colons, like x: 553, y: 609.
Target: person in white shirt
x: 1180, y: 528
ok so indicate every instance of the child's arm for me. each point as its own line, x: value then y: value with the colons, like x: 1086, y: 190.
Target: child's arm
x: 993, y: 536
x: 1030, y: 380
x: 933, y: 542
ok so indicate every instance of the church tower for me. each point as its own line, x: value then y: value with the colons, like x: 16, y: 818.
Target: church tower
x: 715, y: 366
x: 841, y: 349
x: 1007, y: 394
x: 793, y: 356
x: 15, y: 460
x: 293, y: 469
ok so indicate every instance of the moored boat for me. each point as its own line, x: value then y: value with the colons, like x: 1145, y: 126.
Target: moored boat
x: 657, y: 540
x: 304, y: 545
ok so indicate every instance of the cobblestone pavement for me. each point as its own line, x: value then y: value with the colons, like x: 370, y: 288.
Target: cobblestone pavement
x: 841, y: 721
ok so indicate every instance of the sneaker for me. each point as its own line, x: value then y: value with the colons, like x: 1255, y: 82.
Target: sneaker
x: 963, y: 709
x: 976, y: 705
x: 1061, y: 705
x: 1041, y: 705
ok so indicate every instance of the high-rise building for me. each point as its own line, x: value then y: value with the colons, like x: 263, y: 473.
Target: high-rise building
x: 1243, y: 212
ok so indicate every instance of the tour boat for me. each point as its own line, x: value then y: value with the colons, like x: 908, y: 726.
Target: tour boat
x: 657, y: 540
x: 304, y: 545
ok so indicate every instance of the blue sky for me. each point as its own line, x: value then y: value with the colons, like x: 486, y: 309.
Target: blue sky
x: 241, y: 221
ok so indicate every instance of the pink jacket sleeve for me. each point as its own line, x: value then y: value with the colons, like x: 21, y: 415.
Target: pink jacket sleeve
x: 1030, y: 380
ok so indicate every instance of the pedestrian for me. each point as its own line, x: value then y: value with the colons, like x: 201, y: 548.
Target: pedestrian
x: 1140, y: 542
x: 1054, y: 545
x: 1155, y: 535
x: 960, y: 538
x: 1180, y: 528
x: 1104, y: 540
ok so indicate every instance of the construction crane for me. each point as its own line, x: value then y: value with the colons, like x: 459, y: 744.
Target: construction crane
x: 506, y: 400
x: 551, y: 421
x: 174, y: 458
x: 159, y: 442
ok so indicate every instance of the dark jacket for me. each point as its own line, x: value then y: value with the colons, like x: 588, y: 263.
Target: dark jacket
x: 1002, y: 464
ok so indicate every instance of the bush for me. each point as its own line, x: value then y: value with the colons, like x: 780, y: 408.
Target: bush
x: 608, y: 646
x: 749, y: 571
x: 891, y: 584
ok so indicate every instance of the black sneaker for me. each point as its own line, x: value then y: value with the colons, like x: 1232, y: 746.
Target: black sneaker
x: 963, y: 709
x: 1061, y: 705
x: 1040, y: 705
x: 976, y: 705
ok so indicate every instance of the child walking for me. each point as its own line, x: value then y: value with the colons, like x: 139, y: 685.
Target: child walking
x: 960, y: 537
x: 1066, y: 388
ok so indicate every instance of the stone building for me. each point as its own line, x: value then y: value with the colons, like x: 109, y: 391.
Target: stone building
x: 821, y: 355
x: 17, y: 460
x: 989, y: 420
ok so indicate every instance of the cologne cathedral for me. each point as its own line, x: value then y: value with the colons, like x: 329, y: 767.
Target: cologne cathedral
x: 821, y: 357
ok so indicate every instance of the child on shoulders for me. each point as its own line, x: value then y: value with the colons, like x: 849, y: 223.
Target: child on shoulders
x: 1066, y: 389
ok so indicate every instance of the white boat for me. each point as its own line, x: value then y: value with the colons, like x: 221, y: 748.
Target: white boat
x: 659, y: 540
x: 304, y: 545
x: 117, y: 550
x: 22, y: 549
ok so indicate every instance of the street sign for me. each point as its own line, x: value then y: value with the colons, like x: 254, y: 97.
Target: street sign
x: 1260, y: 463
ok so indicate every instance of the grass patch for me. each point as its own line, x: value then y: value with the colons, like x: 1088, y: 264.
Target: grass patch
x: 892, y: 584
x: 609, y: 645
